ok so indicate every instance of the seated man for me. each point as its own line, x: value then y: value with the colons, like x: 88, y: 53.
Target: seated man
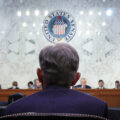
x: 117, y: 84
x: 83, y: 85
x: 14, y: 85
x: 101, y: 84
x: 37, y: 84
x: 58, y: 71
x: 30, y: 85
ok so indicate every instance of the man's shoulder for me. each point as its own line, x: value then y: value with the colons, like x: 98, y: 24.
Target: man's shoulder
x: 21, y: 103
x: 87, y: 86
x: 10, y: 88
x: 87, y: 97
x: 76, y: 99
x: 87, y: 101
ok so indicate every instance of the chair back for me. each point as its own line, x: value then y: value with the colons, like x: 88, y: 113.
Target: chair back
x: 14, y: 97
x: 51, y: 116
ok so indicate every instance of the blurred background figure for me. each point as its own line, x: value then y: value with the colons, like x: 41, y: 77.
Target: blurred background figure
x: 101, y: 84
x: 13, y: 97
x: 0, y: 87
x: 30, y: 85
x: 82, y: 85
x: 117, y: 84
x: 37, y: 84
x: 14, y: 85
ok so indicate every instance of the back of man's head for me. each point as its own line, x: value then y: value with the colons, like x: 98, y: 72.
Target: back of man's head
x: 59, y: 64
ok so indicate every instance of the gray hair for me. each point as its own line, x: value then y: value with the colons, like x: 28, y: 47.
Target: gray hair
x: 36, y: 80
x: 59, y: 64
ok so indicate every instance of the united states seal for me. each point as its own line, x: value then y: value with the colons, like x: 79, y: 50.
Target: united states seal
x: 59, y: 25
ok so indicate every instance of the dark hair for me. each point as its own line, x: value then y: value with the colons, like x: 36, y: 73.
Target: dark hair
x: 15, y: 83
x: 59, y: 64
x: 100, y: 81
x: 30, y: 82
x: 116, y: 81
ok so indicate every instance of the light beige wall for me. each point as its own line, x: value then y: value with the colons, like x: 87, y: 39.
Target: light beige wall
x: 99, y: 51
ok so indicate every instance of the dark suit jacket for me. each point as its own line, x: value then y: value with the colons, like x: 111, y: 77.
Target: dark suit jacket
x: 80, y: 86
x: 56, y: 99
x: 13, y: 88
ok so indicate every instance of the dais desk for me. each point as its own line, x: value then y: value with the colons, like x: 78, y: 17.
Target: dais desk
x: 111, y: 96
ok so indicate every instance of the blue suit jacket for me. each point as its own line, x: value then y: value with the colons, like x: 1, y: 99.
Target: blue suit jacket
x: 56, y: 99
x: 80, y: 86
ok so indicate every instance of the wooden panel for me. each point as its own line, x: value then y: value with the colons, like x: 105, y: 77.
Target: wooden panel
x: 111, y: 96
x: 4, y: 93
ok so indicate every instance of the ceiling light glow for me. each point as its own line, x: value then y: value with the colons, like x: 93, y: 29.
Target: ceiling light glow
x: 28, y: 13
x: 109, y: 12
x: 19, y: 13
x: 36, y: 12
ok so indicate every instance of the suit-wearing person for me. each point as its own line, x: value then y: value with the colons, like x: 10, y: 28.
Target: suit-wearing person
x: 37, y: 84
x: 80, y: 86
x: 101, y: 88
x: 117, y: 84
x: 101, y: 84
x: 30, y: 85
x: 14, y: 85
x: 59, y: 64
x: 55, y: 99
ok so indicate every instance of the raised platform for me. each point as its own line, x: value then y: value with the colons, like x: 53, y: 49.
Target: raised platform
x: 111, y: 96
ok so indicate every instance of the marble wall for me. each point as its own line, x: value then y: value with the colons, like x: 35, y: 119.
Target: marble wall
x: 97, y: 39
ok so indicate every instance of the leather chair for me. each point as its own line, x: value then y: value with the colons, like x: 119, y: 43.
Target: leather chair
x: 14, y: 97
x: 3, y: 105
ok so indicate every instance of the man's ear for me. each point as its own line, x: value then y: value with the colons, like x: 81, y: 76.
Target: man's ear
x: 39, y: 74
x: 76, y: 78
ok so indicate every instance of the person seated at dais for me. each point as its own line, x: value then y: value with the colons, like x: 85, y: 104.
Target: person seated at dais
x: 101, y: 84
x: 37, y: 84
x: 30, y: 85
x: 82, y: 85
x: 14, y: 85
x: 117, y: 84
